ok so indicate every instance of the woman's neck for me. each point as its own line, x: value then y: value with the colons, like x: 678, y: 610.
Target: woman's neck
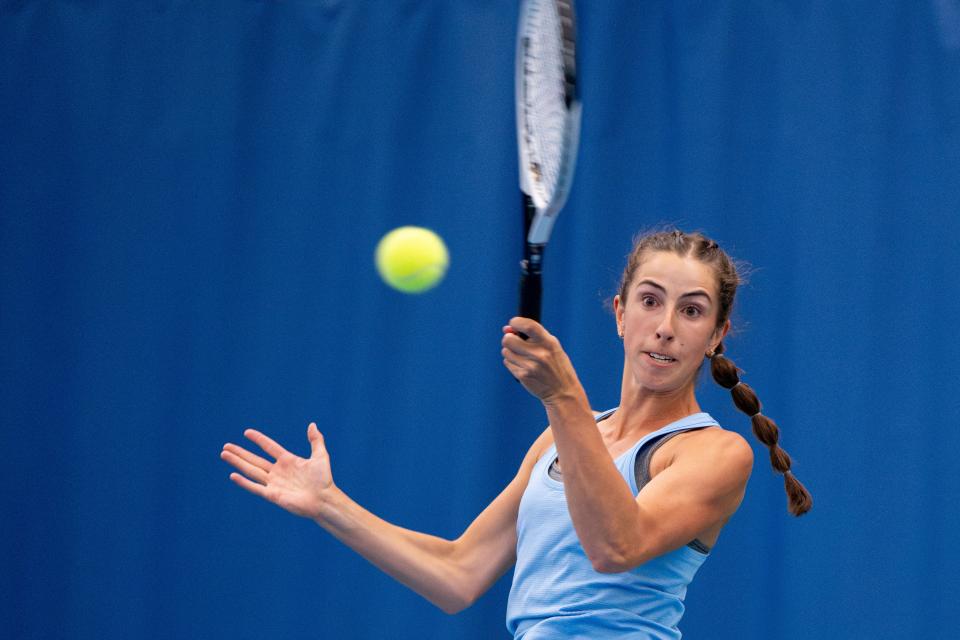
x: 643, y: 410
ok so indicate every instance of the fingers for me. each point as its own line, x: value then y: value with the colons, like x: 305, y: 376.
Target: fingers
x: 517, y: 346
x: 530, y: 328
x: 265, y: 443
x: 248, y: 469
x: 524, y: 334
x: 247, y: 456
x: 511, y: 362
x: 516, y: 371
x: 252, y: 487
x: 527, y: 337
x: 523, y: 352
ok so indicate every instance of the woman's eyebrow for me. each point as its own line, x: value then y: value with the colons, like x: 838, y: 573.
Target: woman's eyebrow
x: 696, y: 292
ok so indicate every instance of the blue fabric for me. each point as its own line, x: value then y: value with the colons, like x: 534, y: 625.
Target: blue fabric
x: 190, y: 197
x: 556, y: 592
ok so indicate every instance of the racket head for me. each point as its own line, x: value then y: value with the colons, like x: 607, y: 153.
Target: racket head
x: 548, y: 108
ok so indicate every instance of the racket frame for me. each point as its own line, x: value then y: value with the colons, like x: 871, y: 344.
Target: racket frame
x: 540, y: 208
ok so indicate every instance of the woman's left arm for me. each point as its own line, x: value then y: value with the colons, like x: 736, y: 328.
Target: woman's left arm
x: 700, y: 488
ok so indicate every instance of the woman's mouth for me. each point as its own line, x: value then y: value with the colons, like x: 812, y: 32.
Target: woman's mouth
x: 659, y: 357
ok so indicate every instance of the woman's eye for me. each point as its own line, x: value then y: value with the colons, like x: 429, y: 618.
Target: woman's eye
x: 692, y: 312
x: 647, y: 301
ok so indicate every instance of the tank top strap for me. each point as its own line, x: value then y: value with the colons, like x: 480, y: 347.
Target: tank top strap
x: 693, y: 421
x: 604, y: 414
x: 551, y: 452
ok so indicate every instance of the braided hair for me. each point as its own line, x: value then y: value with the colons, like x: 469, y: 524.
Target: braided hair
x: 724, y: 371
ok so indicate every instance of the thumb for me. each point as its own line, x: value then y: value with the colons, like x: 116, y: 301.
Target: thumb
x: 315, y: 438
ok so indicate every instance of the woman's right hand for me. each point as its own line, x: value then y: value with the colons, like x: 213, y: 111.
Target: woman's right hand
x: 296, y: 484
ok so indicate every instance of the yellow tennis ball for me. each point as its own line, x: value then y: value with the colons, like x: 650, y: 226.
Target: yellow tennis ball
x: 411, y: 259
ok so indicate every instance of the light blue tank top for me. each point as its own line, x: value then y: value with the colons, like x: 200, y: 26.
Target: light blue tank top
x: 557, y: 594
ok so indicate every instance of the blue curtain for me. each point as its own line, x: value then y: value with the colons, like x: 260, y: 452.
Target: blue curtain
x: 190, y: 195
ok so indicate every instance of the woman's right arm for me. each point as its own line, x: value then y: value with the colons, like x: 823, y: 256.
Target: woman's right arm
x: 451, y: 574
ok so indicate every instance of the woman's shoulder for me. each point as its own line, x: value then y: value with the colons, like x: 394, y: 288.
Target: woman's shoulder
x: 713, y: 444
x: 724, y: 452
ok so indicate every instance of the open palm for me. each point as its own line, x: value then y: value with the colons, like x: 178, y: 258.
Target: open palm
x: 291, y: 482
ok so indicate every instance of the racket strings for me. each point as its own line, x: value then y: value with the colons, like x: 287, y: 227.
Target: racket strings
x: 548, y: 74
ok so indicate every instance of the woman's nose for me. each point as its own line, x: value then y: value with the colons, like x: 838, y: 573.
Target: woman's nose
x: 665, y: 329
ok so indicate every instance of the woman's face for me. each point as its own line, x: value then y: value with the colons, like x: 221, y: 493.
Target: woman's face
x: 669, y: 320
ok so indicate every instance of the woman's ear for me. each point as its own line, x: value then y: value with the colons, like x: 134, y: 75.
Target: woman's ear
x: 618, y: 313
x: 719, y: 335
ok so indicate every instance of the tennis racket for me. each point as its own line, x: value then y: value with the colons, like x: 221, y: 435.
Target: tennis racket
x: 548, y: 130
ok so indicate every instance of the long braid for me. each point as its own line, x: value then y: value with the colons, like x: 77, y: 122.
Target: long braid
x: 726, y: 374
x: 724, y: 371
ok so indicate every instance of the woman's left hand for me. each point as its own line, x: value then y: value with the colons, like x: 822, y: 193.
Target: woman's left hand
x: 539, y: 362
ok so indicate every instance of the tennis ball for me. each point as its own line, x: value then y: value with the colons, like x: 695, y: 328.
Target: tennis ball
x: 411, y: 259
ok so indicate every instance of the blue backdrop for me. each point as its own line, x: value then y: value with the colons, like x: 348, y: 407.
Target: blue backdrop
x: 191, y: 193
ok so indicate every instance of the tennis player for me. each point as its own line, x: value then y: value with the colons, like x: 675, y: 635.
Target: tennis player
x: 611, y: 514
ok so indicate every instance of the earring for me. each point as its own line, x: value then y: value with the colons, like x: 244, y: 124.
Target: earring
x: 710, y: 353
x: 621, y: 334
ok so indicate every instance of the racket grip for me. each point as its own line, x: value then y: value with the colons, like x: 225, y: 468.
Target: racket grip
x: 531, y: 288
x: 531, y: 268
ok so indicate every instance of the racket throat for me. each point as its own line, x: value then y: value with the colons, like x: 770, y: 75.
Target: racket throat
x: 532, y: 262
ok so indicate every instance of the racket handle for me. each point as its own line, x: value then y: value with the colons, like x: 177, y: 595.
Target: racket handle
x: 531, y: 268
x: 531, y: 290
x: 531, y: 284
